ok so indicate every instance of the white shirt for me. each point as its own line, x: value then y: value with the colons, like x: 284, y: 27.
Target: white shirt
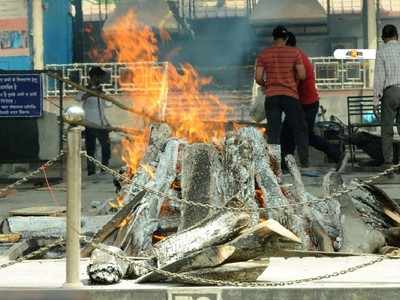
x: 94, y: 110
x: 387, y: 68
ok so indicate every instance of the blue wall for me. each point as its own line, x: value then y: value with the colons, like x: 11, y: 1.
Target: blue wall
x: 58, y: 48
x: 57, y: 34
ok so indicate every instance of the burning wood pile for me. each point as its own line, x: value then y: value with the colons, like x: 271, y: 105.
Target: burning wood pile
x: 206, y: 201
x: 218, y: 211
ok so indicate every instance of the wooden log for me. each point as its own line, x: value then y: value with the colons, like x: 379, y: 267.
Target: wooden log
x: 238, y: 173
x: 113, y: 224
x: 144, y: 223
x: 214, y: 230
x: 240, y: 272
x: 10, y: 237
x: 159, y: 135
x: 357, y: 236
x: 252, y: 242
x: 301, y: 218
x: 14, y: 250
x: 51, y: 227
x: 393, y: 236
x: 209, y: 257
x: 200, y: 176
x: 370, y: 209
x: 266, y: 178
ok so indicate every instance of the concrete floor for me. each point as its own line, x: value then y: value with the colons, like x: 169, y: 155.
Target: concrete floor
x: 380, y: 281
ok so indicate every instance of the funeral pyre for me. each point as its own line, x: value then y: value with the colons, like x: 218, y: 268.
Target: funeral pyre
x: 206, y: 200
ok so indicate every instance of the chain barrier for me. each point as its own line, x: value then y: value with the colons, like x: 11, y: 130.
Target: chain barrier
x: 203, y: 281
x: 24, y: 179
x: 33, y: 254
x: 337, y: 194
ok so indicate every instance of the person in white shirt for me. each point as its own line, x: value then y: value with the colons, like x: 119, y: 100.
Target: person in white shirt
x: 95, y: 120
x: 387, y: 87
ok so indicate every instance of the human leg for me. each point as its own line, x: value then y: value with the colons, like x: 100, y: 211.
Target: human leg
x: 105, y: 143
x: 90, y: 142
x: 316, y: 141
x: 388, y: 113
x: 297, y: 123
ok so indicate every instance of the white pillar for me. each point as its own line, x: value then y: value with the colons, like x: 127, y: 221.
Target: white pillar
x: 37, y: 33
x: 371, y: 21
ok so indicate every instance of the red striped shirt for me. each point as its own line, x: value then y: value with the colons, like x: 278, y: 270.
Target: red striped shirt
x: 279, y: 63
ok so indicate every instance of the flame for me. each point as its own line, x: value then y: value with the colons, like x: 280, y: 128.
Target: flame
x: 125, y: 221
x: 189, y: 110
x: 118, y: 203
x: 158, y: 238
x: 260, y: 198
x: 149, y: 170
x: 176, y: 185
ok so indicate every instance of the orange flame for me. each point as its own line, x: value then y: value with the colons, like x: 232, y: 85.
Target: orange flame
x: 153, y: 85
x: 118, y: 203
x: 149, y: 170
x: 125, y: 221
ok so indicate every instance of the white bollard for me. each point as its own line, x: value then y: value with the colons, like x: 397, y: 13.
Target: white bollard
x: 74, y: 185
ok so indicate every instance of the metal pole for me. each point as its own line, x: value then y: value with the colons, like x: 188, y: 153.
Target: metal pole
x: 74, y: 182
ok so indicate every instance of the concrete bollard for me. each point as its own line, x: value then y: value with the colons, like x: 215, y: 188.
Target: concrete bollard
x: 74, y: 185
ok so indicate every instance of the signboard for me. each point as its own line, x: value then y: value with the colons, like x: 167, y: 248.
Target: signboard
x: 21, y: 95
x: 14, y: 28
x: 355, y: 54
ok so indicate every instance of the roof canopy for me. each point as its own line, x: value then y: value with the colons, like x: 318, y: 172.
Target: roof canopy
x: 288, y: 11
x: 154, y: 13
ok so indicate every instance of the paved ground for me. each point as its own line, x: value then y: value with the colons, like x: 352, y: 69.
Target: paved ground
x: 380, y: 281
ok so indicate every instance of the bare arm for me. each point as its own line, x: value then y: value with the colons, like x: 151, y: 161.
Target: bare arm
x: 259, y: 76
x: 300, y: 72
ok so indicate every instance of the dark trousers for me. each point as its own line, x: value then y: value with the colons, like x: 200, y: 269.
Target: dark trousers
x: 91, y: 134
x: 287, y: 139
x: 389, y: 111
x: 274, y: 107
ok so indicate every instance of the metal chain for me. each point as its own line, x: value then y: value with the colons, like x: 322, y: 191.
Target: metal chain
x: 189, y: 278
x: 337, y: 194
x: 32, y: 174
x: 33, y: 254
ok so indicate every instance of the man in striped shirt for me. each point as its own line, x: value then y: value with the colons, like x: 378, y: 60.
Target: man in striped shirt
x: 278, y: 70
x: 387, y: 87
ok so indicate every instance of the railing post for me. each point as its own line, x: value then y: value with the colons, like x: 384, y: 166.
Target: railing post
x: 74, y: 185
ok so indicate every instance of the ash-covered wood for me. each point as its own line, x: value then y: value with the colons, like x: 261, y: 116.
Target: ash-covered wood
x: 238, y: 173
x: 214, y: 230
x: 357, y: 236
x: 139, y: 231
x: 201, y: 178
x: 253, y: 242
x: 209, y: 257
x: 114, y: 224
x: 265, y: 177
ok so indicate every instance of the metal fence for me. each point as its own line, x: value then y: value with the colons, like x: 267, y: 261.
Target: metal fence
x: 119, y: 77
x: 330, y: 74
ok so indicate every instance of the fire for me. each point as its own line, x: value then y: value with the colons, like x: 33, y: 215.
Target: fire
x: 118, y: 203
x: 154, y: 85
x: 260, y: 198
x: 125, y: 221
x: 149, y: 170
